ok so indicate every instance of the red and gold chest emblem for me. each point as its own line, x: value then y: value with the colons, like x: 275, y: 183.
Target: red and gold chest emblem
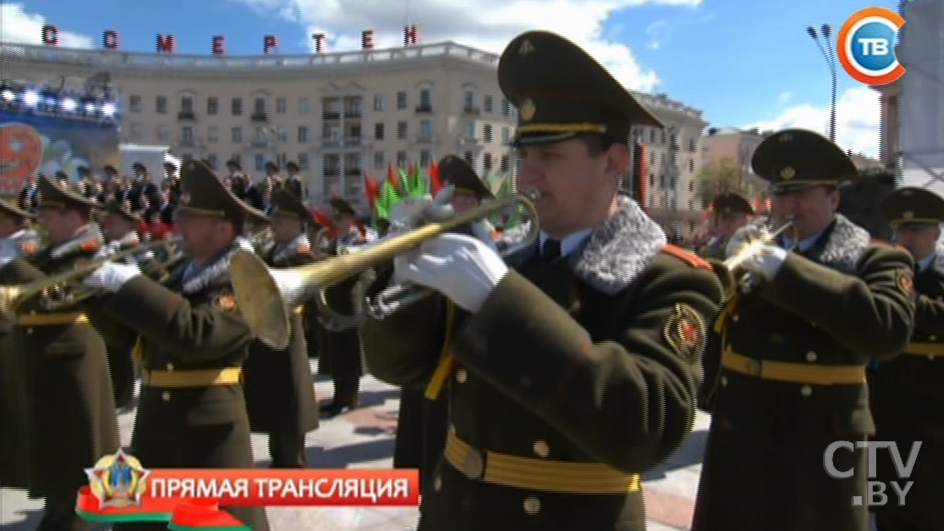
x: 685, y: 331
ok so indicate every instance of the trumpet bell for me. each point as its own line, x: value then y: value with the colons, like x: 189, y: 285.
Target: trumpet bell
x: 8, y: 298
x: 259, y: 299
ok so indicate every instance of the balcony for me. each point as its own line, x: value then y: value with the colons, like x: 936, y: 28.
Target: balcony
x: 471, y: 109
x: 186, y: 116
x: 331, y: 115
x: 354, y: 141
x: 259, y: 117
x: 353, y: 115
x: 424, y: 109
x: 332, y: 172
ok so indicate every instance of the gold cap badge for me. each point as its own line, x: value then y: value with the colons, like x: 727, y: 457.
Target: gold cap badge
x: 527, y: 110
x: 526, y: 48
x: 787, y: 173
x: 907, y: 214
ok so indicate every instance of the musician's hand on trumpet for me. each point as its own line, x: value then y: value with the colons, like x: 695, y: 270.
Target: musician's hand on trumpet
x: 766, y: 262
x: 111, y: 276
x: 463, y: 268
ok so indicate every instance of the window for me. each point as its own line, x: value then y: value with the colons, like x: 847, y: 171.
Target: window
x: 506, y: 135
x: 487, y: 103
x: 160, y: 105
x: 281, y: 135
x: 281, y: 159
x: 352, y: 163
x: 469, y: 133
x: 468, y: 101
x: 260, y: 161
x: 505, y: 108
x: 401, y: 159
x: 186, y: 133
x: 378, y: 131
x: 691, y: 185
x: 425, y: 158
x: 332, y: 163
x: 353, y: 106
x: 281, y: 107
x: 304, y: 106
x: 692, y: 145
x: 331, y: 183
x: 237, y: 158
x: 426, y: 99
x: 426, y: 129
x: 213, y: 159
x: 186, y: 105
x: 468, y: 157
x: 236, y: 107
x: 163, y: 133
x: 134, y: 103
x: 503, y: 165
x: 652, y: 159
x: 213, y: 106
x: 487, y: 132
x: 380, y: 162
x: 213, y: 134
x: 331, y: 132
x: 303, y: 161
x: 401, y: 101
x: 487, y: 162
x: 261, y: 134
x: 691, y: 165
x: 380, y: 103
x: 259, y: 106
x: 304, y: 134
x: 402, y: 130
x: 236, y: 135
x: 331, y: 108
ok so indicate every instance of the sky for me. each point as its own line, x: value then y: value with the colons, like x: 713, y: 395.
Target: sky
x: 744, y: 63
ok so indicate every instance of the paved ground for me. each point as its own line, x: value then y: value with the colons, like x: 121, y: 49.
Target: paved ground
x: 364, y: 439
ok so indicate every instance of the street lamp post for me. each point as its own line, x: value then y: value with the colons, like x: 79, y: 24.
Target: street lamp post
x: 830, y: 56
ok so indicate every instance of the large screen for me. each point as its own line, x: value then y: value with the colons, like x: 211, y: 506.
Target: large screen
x: 31, y: 144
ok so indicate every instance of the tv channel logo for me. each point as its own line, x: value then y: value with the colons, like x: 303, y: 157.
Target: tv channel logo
x: 867, y: 46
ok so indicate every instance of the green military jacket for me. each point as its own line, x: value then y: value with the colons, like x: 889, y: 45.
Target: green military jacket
x: 589, y: 363
x: 906, y: 401
x: 777, y: 405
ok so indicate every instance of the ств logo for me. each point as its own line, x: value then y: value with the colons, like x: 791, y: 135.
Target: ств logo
x: 867, y: 46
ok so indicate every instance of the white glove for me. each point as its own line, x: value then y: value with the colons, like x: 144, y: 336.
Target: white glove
x: 743, y: 237
x: 112, y: 276
x: 106, y: 251
x: 460, y: 267
x: 767, y: 262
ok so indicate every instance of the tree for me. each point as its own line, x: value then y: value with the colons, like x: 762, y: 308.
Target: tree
x: 726, y: 176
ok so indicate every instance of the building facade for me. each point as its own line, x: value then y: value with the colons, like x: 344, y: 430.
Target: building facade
x: 339, y: 116
x: 674, y: 162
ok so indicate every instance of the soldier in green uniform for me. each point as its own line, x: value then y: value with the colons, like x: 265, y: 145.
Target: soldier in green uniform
x: 16, y: 239
x: 118, y: 227
x: 729, y: 213
x: 279, y: 387
x: 423, y: 420
x: 907, y: 391
x: 70, y: 406
x: 193, y: 341
x: 343, y: 347
x: 823, y: 304
x: 572, y: 368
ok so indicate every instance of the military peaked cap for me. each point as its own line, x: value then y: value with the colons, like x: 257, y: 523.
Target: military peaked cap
x: 561, y: 91
x: 119, y: 209
x: 794, y: 159
x: 288, y: 205
x: 458, y: 172
x: 10, y: 210
x: 51, y: 195
x: 205, y: 195
x: 342, y: 207
x: 731, y: 203
x: 912, y: 205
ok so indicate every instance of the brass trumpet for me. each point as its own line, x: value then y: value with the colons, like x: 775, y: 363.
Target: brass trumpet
x: 65, y: 289
x: 266, y: 306
x: 728, y: 268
